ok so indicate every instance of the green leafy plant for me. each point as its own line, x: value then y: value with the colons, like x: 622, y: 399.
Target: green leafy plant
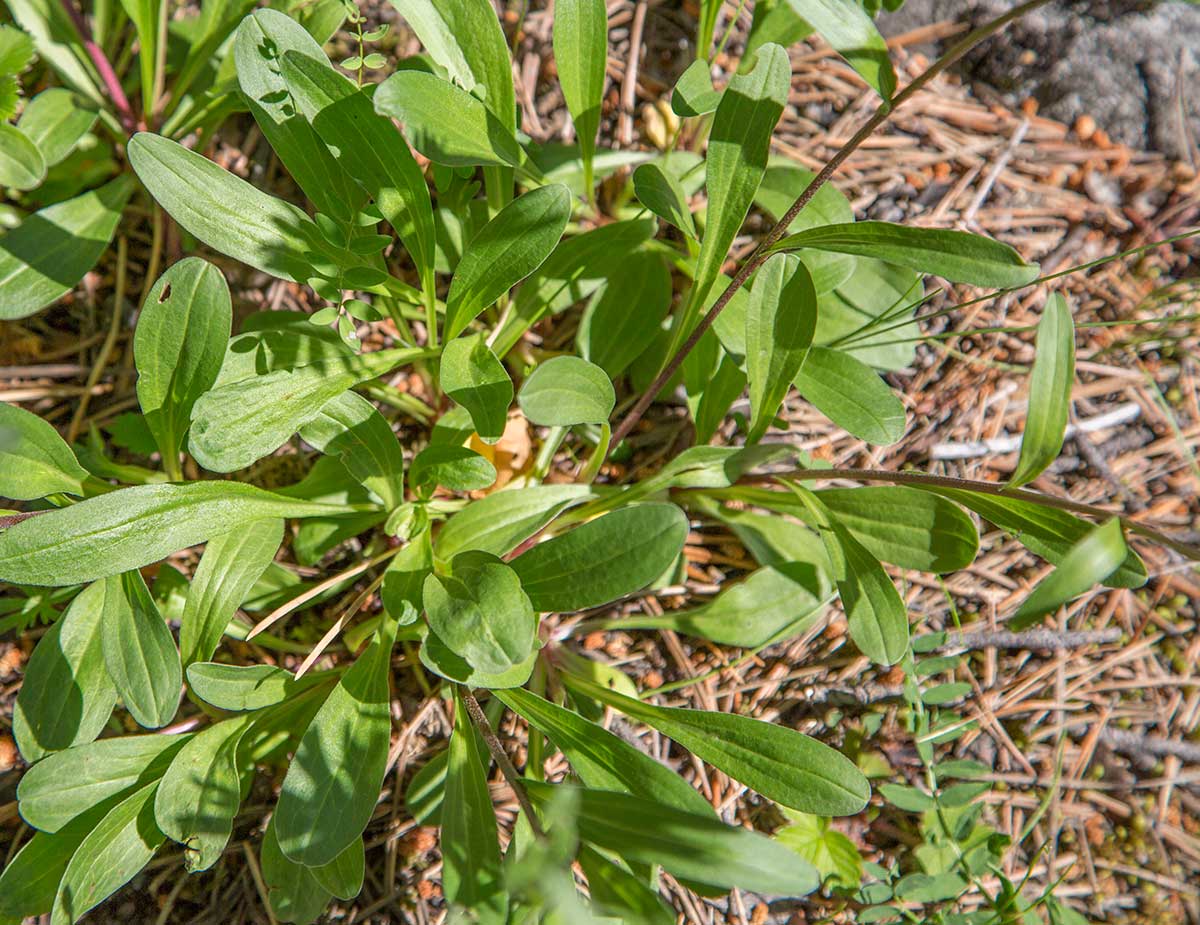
x: 473, y: 571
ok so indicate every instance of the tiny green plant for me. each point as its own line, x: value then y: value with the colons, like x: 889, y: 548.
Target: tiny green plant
x: 468, y: 253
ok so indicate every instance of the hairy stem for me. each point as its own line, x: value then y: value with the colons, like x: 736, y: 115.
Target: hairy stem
x: 777, y: 231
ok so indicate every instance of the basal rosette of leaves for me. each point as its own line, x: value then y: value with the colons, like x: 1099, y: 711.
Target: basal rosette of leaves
x: 466, y: 251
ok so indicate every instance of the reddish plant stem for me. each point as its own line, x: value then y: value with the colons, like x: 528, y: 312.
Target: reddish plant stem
x: 105, y: 69
x: 763, y: 251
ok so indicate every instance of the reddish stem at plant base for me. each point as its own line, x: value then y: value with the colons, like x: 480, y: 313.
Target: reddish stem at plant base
x: 103, y: 67
x: 762, y: 252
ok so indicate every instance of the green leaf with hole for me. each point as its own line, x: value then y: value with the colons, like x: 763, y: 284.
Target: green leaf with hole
x: 231, y: 565
x: 139, y: 651
x: 747, y: 614
x: 1087, y: 563
x: 781, y: 317
x: 604, y: 559
x: 201, y: 791
x: 958, y: 256
x: 66, y: 697
x: 693, y: 94
x: 783, y: 765
x: 68, y: 784
x: 446, y: 123
x: 472, y: 876
x: 109, y: 857
x: 852, y: 395
x: 351, y: 429
x: 34, y: 460
x: 602, y: 759
x: 737, y: 156
x: 661, y: 193
x: 480, y: 612
x: 845, y: 25
x: 501, y: 521
x: 132, y: 527
x: 580, y: 37
x: 179, y: 346
x: 1049, y: 392
x: 473, y: 376
x: 237, y: 424
x: 505, y: 251
x: 49, y: 252
x: 691, y: 847
x: 333, y: 782
x: 565, y: 391
x: 876, y: 614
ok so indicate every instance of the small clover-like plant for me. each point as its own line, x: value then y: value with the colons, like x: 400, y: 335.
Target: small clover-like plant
x: 458, y: 261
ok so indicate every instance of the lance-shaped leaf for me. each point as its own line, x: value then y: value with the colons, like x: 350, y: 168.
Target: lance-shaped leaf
x: 293, y: 890
x: 623, y: 318
x: 693, y: 94
x: 29, y: 882
x: 1045, y: 531
x: 601, y: 759
x: 231, y: 565
x: 472, y: 876
x: 133, y: 527
x: 260, y: 44
x: 695, y: 848
x: 333, y: 782
x: 565, y: 391
x: 1086, y: 564
x: 446, y: 123
x: 66, y: 785
x: 473, y: 376
x: 874, y: 610
x: 34, y: 460
x: 604, y: 559
x: 200, y: 793
x: 178, y: 347
x: 145, y: 16
x: 67, y: 696
x: 237, y: 424
x: 464, y: 37
x: 109, y: 857
x: 139, y: 651
x: 783, y: 765
x: 958, y: 256
x: 737, y: 156
x: 852, y: 395
x: 228, y: 214
x: 55, y: 120
x: 845, y: 25
x: 661, y: 193
x: 1049, y: 392
x: 246, y: 687
x: 22, y: 166
x: 351, y: 429
x: 48, y: 253
x: 581, y: 57
x: 781, y: 317
x: 343, y: 876
x: 499, y: 522
x: 506, y: 250
x: 748, y: 614
x: 369, y: 149
x: 480, y: 612
x: 616, y: 892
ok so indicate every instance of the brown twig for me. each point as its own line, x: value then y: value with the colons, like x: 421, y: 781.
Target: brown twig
x: 479, y: 718
x: 762, y: 251
x: 1045, y: 640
